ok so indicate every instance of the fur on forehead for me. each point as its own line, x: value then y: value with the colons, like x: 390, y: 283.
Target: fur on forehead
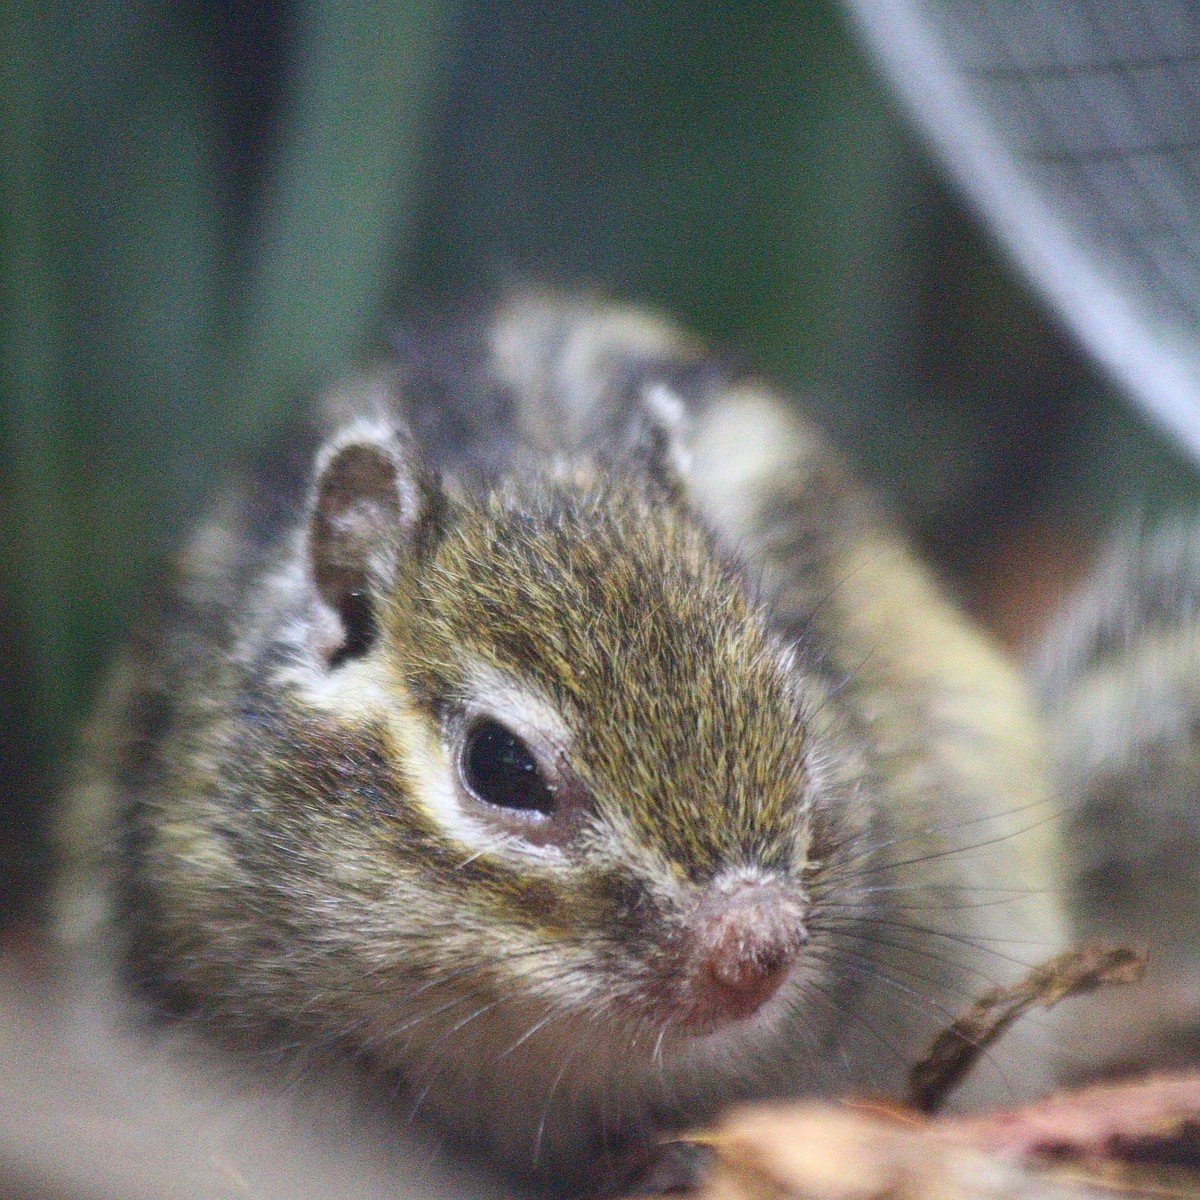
x: 622, y: 613
x: 582, y: 565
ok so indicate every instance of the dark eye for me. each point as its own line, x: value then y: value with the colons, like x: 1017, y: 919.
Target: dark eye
x: 499, y: 769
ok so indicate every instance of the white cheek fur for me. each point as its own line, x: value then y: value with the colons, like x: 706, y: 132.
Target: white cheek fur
x: 532, y: 718
x: 366, y: 690
x: 434, y: 774
x: 357, y: 690
x: 529, y: 715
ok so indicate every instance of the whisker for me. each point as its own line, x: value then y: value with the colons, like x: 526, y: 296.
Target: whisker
x: 928, y: 1007
x: 952, y: 888
x: 849, y: 1013
x: 541, y: 1129
x: 498, y: 844
x: 546, y: 1020
x: 987, y: 946
x: 955, y: 965
x: 843, y: 957
x: 936, y: 830
x: 656, y: 1054
x: 1012, y: 898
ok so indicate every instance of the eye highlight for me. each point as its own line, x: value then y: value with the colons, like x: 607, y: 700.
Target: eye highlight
x: 498, y: 768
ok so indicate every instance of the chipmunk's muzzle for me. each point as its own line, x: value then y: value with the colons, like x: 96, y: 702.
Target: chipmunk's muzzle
x: 737, y: 952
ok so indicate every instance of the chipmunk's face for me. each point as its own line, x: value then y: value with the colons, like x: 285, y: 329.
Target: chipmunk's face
x: 597, y: 708
x: 610, y: 794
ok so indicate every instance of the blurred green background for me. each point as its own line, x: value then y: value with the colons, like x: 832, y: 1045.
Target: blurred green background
x: 210, y: 207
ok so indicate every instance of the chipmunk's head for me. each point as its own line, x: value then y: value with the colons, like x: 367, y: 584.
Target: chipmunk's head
x: 605, y: 785
x: 540, y: 791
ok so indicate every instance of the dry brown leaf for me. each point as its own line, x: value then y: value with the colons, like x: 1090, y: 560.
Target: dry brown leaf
x: 825, y: 1152
x: 1151, y: 1120
x: 954, y: 1051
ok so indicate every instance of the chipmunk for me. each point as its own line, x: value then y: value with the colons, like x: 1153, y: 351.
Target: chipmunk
x: 559, y: 733
x: 1116, y: 672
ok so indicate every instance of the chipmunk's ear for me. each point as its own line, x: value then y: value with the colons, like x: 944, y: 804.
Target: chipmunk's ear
x: 663, y: 441
x: 371, y: 503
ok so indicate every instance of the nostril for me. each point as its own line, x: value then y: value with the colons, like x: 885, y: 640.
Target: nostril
x: 749, y: 968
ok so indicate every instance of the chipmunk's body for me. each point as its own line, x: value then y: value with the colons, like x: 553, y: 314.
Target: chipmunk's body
x: 561, y: 736
x: 1119, y: 675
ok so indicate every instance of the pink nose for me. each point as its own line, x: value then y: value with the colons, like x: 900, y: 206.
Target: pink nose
x: 743, y: 945
x: 745, y: 977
